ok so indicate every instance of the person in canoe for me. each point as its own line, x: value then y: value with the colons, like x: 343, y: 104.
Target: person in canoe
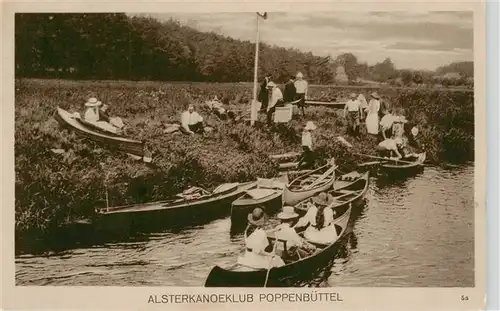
x: 93, y: 115
x: 388, y: 146
x: 352, y: 112
x: 307, y: 159
x: 256, y: 255
x: 276, y: 100
x: 191, y: 121
x: 301, y: 91
x: 296, y: 245
x: 105, y: 117
x: 318, y: 221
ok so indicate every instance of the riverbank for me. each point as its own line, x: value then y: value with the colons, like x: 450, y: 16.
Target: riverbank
x: 57, y: 189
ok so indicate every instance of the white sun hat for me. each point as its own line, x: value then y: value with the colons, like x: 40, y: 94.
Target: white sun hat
x: 92, y: 102
x: 271, y: 84
x: 310, y: 126
x: 287, y: 213
x: 299, y: 75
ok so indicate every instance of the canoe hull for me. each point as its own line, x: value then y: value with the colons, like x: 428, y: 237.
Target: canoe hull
x: 286, y: 276
x: 404, y: 170
x: 292, y: 197
x: 109, y: 141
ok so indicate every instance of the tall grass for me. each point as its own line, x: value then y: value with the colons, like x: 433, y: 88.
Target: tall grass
x: 54, y: 189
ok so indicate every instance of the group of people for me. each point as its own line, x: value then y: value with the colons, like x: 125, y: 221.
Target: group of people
x: 382, y: 121
x: 271, y: 96
x: 357, y: 110
x: 317, y: 226
x: 97, y: 113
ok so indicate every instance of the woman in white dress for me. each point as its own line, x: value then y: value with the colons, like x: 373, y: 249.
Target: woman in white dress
x: 256, y: 256
x: 372, y: 125
x: 319, y: 219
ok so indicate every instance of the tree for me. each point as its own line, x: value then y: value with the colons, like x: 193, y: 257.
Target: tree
x: 350, y: 64
x: 384, y: 71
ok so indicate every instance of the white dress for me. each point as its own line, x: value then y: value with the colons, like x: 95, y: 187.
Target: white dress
x: 254, y: 256
x: 372, y: 116
x: 327, y: 234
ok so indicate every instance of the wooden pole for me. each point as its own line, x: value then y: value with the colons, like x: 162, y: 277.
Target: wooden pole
x: 253, y: 115
x: 382, y: 158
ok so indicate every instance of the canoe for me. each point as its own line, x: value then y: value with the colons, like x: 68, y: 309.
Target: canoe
x: 285, y: 276
x: 109, y: 140
x: 349, y: 190
x: 267, y: 194
x: 185, y: 208
x: 309, y: 184
x: 96, y: 128
x: 396, y: 168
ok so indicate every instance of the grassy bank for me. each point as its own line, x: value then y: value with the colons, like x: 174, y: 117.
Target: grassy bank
x: 55, y: 189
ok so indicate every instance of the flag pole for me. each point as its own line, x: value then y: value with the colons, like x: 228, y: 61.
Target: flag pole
x: 253, y: 114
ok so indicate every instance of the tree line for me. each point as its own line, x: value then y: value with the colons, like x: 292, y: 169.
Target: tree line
x: 120, y: 47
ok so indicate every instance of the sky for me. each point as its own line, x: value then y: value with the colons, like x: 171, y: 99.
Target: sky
x: 416, y: 40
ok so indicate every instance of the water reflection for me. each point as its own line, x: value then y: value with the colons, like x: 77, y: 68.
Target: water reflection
x: 415, y: 233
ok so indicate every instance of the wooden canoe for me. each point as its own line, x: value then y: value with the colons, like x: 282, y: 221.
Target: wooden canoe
x: 345, y: 193
x: 396, y: 168
x: 123, y: 144
x: 309, y: 184
x: 285, y: 276
x: 180, y: 210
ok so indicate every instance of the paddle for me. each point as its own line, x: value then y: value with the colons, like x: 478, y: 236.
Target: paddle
x: 321, y: 178
x: 382, y: 158
x: 271, y: 258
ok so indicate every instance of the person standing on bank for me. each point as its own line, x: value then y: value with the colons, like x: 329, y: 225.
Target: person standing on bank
x: 372, y: 124
x: 301, y: 89
x: 264, y: 92
x: 275, y: 100
x: 307, y: 150
x: 352, y: 113
x: 290, y: 91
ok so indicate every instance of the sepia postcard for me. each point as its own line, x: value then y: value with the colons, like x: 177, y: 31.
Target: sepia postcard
x: 244, y: 155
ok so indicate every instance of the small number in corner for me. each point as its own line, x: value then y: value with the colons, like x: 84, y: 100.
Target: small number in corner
x: 464, y: 298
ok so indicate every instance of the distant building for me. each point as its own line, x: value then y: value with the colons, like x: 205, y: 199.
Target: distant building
x: 340, y: 76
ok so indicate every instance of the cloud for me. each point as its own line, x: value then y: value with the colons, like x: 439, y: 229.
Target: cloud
x: 431, y: 38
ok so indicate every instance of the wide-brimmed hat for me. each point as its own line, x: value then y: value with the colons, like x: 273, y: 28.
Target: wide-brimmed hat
x: 271, y: 84
x: 321, y: 199
x: 414, y: 131
x: 299, y: 75
x: 257, y: 217
x: 310, y: 126
x: 375, y: 95
x: 92, y: 102
x: 353, y: 95
x: 287, y: 213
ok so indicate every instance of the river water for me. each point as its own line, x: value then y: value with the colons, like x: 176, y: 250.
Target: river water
x: 416, y: 233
